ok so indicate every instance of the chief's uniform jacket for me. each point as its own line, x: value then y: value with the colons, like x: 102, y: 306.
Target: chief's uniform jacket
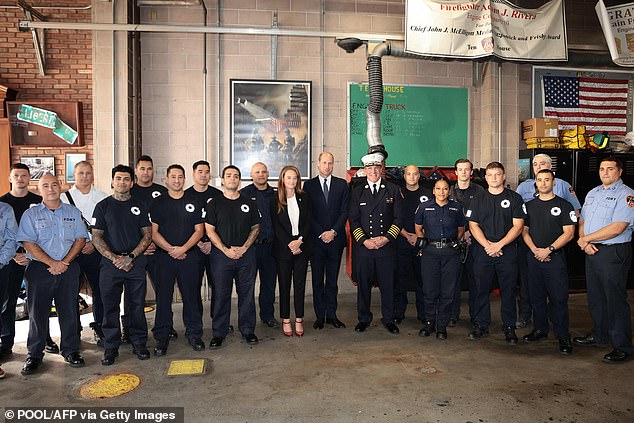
x: 372, y: 216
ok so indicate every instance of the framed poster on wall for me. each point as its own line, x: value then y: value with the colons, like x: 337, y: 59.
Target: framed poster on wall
x: 271, y: 123
x: 39, y: 166
x: 71, y: 160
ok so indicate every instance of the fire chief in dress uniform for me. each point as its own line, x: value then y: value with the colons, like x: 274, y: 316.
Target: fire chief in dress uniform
x: 375, y: 226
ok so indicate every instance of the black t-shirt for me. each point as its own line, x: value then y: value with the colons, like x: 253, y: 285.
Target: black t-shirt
x: 546, y: 219
x: 21, y: 204
x: 411, y: 200
x: 121, y: 222
x: 176, y: 218
x: 147, y: 194
x: 465, y: 196
x: 495, y: 213
x: 233, y: 219
x: 203, y: 198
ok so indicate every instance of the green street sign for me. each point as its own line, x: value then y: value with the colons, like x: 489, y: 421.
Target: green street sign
x: 37, y: 116
x: 65, y: 132
x: 47, y: 119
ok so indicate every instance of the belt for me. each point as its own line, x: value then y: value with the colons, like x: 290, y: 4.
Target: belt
x: 610, y: 245
x: 262, y: 241
x: 441, y: 242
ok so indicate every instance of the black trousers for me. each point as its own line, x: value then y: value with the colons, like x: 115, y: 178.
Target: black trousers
x: 548, y: 287
x: 184, y: 272
x: 226, y: 271
x: 440, y: 269
x: 89, y: 266
x: 485, y: 268
x: 524, y: 301
x: 375, y: 268
x: 408, y: 270
x: 112, y: 283
x: 42, y: 289
x: 10, y: 283
x: 292, y: 272
x: 465, y: 277
x: 325, y: 263
x: 204, y: 267
x: 606, y: 279
x: 267, y: 271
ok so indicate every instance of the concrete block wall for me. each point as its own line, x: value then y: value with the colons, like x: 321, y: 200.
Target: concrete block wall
x: 172, y: 76
x: 68, y: 70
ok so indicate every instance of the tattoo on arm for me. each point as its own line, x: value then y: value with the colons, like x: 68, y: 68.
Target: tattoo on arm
x: 145, y: 241
x: 100, y: 244
x: 255, y: 230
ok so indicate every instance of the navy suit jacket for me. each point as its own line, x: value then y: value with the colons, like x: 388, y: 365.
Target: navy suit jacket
x: 283, y: 229
x: 332, y: 215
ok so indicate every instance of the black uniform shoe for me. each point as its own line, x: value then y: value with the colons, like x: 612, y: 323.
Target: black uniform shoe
x: 173, y: 334
x: 616, y: 356
x: 586, y: 341
x: 125, y: 335
x: 216, y: 342
x: 441, y: 334
x: 141, y: 353
x: 75, y: 359
x: 392, y: 328
x: 398, y: 320
x: 427, y: 330
x: 361, y: 326
x: 272, y: 323
x: 109, y: 355
x: 535, y: 335
x: 336, y: 323
x: 30, y: 366
x: 565, y: 346
x: 251, y: 339
x: 510, y: 336
x: 478, y: 332
x: 161, y: 348
x: 51, y: 347
x: 319, y: 323
x: 197, y: 344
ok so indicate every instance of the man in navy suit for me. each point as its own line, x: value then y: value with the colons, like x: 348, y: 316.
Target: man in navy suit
x: 329, y: 203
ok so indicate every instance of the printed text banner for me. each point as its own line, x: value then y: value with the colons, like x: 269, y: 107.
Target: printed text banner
x: 480, y: 28
x: 617, y: 23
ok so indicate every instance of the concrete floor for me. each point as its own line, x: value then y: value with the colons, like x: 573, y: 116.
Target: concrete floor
x: 339, y: 375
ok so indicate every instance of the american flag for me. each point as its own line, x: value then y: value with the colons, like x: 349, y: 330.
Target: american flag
x: 598, y: 104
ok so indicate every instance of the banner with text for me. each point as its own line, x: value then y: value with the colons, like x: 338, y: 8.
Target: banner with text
x: 478, y: 28
x: 617, y: 23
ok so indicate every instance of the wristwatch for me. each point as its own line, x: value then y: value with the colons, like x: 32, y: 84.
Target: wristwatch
x: 131, y: 255
x: 552, y: 249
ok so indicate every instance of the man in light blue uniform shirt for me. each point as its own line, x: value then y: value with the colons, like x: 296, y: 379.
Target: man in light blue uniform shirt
x: 53, y: 235
x: 8, y: 229
x: 528, y: 191
x: 605, y: 235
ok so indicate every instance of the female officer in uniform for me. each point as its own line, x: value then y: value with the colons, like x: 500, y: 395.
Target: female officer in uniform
x: 441, y: 222
x: 290, y: 213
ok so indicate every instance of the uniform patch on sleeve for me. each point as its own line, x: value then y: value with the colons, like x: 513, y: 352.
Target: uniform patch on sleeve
x: 630, y: 201
x: 468, y: 213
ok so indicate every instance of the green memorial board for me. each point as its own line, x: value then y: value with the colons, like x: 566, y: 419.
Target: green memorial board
x: 426, y: 126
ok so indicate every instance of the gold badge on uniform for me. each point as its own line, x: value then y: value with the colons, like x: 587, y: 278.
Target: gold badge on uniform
x: 630, y: 201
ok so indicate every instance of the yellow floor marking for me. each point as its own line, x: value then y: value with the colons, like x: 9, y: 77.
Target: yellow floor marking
x: 110, y: 386
x: 187, y: 367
